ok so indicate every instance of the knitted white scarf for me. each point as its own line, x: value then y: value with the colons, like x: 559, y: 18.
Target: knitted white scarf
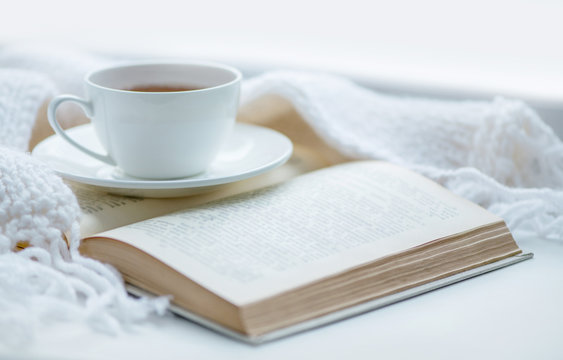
x: 48, y: 280
x: 498, y: 154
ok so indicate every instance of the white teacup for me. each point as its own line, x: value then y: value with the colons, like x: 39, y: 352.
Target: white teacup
x: 148, y: 121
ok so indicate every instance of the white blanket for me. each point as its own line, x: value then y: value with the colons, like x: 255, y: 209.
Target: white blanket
x: 498, y: 154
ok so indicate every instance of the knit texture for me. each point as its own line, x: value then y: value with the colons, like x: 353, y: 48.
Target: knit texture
x: 48, y: 280
x: 497, y: 153
x: 21, y: 95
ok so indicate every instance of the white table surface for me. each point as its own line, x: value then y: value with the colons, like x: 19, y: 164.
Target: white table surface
x: 512, y: 313
x: 467, y: 49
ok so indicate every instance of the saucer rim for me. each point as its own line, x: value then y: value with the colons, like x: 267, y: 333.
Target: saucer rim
x: 171, y: 184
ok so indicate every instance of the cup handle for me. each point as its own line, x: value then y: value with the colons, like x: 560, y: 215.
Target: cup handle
x: 88, y: 110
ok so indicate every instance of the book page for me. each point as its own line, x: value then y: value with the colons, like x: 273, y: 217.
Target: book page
x: 101, y: 211
x: 255, y: 245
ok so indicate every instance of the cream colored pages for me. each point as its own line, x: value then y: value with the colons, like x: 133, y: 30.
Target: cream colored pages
x: 101, y: 212
x: 252, y: 246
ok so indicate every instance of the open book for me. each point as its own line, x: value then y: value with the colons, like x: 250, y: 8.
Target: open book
x: 303, y: 245
x: 268, y: 259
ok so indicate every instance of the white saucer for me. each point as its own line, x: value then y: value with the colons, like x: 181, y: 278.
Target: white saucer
x: 251, y: 150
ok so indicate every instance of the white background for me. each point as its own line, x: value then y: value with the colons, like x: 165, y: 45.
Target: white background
x: 460, y: 49
x: 502, y: 46
x: 436, y: 47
